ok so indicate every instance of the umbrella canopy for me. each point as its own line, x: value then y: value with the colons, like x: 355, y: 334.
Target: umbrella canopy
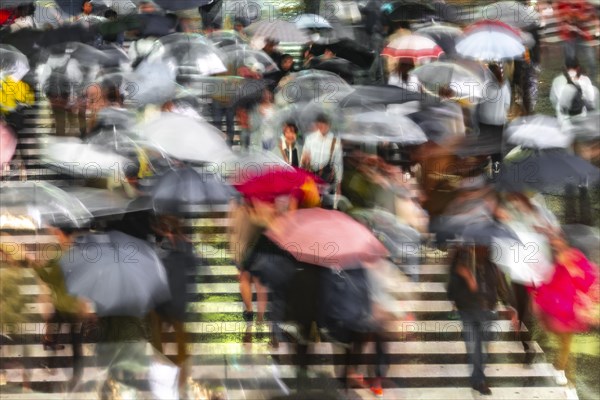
x: 311, y: 21
x: 180, y: 188
x: 188, y: 54
x: 547, y: 170
x: 225, y: 38
x: 244, y: 166
x: 275, y: 182
x: 522, y: 259
x: 512, y: 13
x: 327, y: 238
x: 75, y: 158
x: 313, y: 86
x: 491, y: 41
x: 377, y: 126
x: 412, y: 47
x: 367, y: 95
x: 8, y: 144
x: 537, y: 132
x: 241, y: 55
x: 407, y: 10
x: 120, y: 274
x: 278, y: 30
x: 13, y: 63
x: 584, y: 127
x: 485, y: 232
x: 339, y: 66
x: 464, y: 82
x: 444, y: 35
x: 186, y: 138
x: 347, y: 49
x: 34, y: 205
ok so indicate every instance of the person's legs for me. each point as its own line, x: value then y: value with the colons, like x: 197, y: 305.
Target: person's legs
x: 569, y: 50
x: 60, y: 116
x: 76, y: 333
x: 181, y: 339
x: 246, y: 293
x: 155, y: 322
x: 261, y: 299
x: 564, y: 352
x: 587, y: 57
x: 473, y: 337
x: 522, y: 298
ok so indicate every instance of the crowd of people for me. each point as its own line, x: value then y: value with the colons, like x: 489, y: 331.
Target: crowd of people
x: 452, y: 188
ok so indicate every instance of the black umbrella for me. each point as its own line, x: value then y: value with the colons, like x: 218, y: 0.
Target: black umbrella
x: 340, y: 66
x: 180, y: 188
x: 120, y: 274
x: 484, y: 232
x: 347, y: 49
x: 365, y: 95
x: 407, y: 10
x: 546, y: 171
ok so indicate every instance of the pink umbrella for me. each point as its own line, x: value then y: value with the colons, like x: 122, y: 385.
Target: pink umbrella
x: 327, y: 238
x: 8, y: 144
x: 415, y: 47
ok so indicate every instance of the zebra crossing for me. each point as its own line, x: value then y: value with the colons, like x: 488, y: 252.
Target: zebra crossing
x: 428, y: 357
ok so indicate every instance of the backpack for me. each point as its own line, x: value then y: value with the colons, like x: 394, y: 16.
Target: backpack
x: 577, y: 103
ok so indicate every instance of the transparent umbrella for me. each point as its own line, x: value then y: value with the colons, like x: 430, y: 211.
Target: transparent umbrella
x: 33, y: 205
x: 13, y: 63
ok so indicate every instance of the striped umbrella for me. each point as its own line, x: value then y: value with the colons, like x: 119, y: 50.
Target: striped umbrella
x: 279, y: 30
x: 414, y: 47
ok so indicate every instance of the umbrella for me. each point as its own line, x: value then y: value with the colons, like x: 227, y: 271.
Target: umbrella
x: 407, y: 10
x: 316, y: 86
x: 13, y: 63
x: 274, y: 182
x: 368, y: 95
x: 491, y: 41
x: 522, y: 257
x: 464, y: 82
x: 104, y: 202
x: 444, y: 35
x: 231, y: 90
x: 150, y: 83
x: 281, y: 31
x: 378, y: 126
x: 412, y: 47
x: 8, y: 145
x: 311, y: 21
x: 485, y: 232
x: 511, y: 13
x: 120, y: 274
x: 537, y: 132
x: 545, y: 170
x: 244, y: 166
x: 34, y: 205
x: 186, y: 138
x: 179, y: 188
x: 75, y: 158
x: 191, y: 54
x: 327, y: 238
x: 240, y: 55
x: 339, y: 66
x: 347, y: 49
x: 225, y: 38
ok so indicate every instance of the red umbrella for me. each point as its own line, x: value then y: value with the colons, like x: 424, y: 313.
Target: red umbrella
x: 8, y: 144
x: 414, y: 47
x: 327, y: 238
x: 280, y: 182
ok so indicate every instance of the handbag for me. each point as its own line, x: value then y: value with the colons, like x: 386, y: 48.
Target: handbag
x: 327, y: 173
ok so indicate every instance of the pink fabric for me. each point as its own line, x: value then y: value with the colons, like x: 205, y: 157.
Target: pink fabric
x: 558, y: 302
x: 8, y: 144
x: 327, y: 238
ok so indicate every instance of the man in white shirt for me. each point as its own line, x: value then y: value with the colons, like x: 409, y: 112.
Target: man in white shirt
x: 318, y: 152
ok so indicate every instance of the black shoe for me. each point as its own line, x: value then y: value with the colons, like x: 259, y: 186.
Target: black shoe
x: 529, y: 357
x: 483, y: 388
x: 248, y: 316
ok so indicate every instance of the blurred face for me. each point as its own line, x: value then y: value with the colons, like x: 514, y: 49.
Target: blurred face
x: 88, y: 7
x: 290, y: 134
x: 287, y: 63
x: 322, y: 127
x: 147, y: 8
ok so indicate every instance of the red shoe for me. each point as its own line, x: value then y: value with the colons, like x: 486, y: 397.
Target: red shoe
x: 376, y: 388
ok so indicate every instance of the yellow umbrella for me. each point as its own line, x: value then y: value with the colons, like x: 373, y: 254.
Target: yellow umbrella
x: 14, y: 93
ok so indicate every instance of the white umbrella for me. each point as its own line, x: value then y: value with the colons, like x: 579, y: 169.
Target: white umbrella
x: 75, y: 158
x: 13, y: 63
x: 527, y: 262
x: 379, y: 126
x: 312, y: 21
x: 537, y: 132
x: 279, y: 30
x: 186, y: 138
x: 465, y: 82
x: 490, y: 45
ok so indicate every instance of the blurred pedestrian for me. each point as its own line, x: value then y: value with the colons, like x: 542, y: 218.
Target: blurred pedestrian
x: 572, y: 93
x: 23, y: 17
x: 402, y: 77
x: 287, y: 146
x: 177, y: 255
